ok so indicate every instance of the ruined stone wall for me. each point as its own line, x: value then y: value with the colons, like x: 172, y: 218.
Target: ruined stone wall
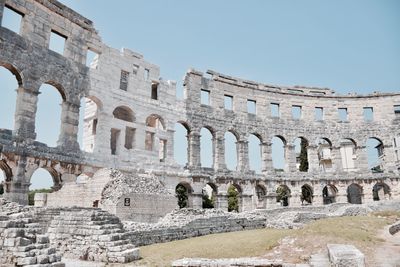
x: 131, y: 112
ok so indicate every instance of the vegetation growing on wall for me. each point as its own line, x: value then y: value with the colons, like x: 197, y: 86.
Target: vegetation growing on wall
x: 233, y: 199
x: 182, y: 195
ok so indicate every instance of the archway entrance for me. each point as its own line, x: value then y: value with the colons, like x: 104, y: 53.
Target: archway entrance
x: 260, y: 195
x: 209, y: 193
x: 380, y: 191
x: 329, y: 194
x: 182, y: 193
x: 283, y: 195
x: 354, y: 194
x: 234, y: 198
x: 306, y: 194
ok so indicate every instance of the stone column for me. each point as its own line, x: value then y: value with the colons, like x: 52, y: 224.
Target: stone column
x: 194, y: 150
x: 242, y: 147
x: 389, y: 162
x: 336, y: 159
x: 25, y: 112
x: 222, y: 201
x: 170, y: 145
x: 19, y: 186
x: 290, y: 158
x: 197, y: 201
x: 1, y: 9
x: 68, y: 138
x: 312, y: 156
x: 266, y: 157
x: 361, y: 163
x: 219, y: 153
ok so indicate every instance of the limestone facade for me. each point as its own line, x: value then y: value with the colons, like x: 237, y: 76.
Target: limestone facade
x: 131, y: 113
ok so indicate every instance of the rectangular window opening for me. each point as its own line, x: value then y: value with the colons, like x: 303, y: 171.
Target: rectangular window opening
x: 12, y: 19
x: 149, y: 141
x: 342, y: 114
x: 319, y: 114
x: 368, y: 113
x: 274, y: 110
x: 91, y: 59
x: 205, y: 97
x: 397, y: 110
x: 114, y: 141
x: 94, y: 127
x: 123, y: 82
x: 135, y: 69
x: 228, y: 102
x: 296, y: 112
x: 154, y: 90
x: 251, y: 106
x: 129, y: 137
x: 163, y: 150
x: 57, y: 42
x: 146, y: 74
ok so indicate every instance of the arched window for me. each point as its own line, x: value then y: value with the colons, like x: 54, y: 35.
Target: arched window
x: 42, y: 181
x: 354, y: 194
x: 301, y: 145
x: 255, y: 153
x: 278, y: 153
x: 88, y: 122
x: 124, y: 113
x: 325, y: 154
x: 283, y: 195
x: 231, y: 158
x: 181, y: 143
x: 376, y: 154
x: 8, y: 84
x: 307, y: 194
x: 206, y: 148
x: 348, y: 154
x: 329, y: 194
x: 209, y: 194
x: 155, y: 121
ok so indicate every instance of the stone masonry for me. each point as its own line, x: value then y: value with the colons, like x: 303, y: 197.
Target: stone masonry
x: 131, y: 113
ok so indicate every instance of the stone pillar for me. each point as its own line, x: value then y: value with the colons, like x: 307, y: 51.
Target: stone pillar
x: 389, y: 162
x: 361, y: 163
x: 25, y: 112
x: 68, y: 138
x: 290, y: 158
x: 336, y: 159
x: 170, y: 145
x: 19, y: 186
x: 243, y: 155
x: 266, y: 157
x: 219, y: 153
x: 222, y: 201
x: 1, y: 9
x: 197, y: 201
x: 194, y: 150
x: 312, y: 156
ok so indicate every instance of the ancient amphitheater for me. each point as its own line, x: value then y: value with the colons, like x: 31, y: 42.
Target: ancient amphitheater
x: 129, y: 125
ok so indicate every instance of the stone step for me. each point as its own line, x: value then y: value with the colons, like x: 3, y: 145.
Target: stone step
x: 320, y: 260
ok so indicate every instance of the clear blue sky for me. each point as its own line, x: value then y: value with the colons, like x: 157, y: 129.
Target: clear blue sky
x: 348, y: 46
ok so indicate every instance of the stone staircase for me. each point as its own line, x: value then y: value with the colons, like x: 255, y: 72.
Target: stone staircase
x: 91, y: 234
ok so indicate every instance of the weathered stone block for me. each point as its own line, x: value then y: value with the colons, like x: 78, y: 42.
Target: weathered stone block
x: 345, y: 256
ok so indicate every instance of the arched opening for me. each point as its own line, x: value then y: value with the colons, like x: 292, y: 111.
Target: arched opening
x: 48, y: 115
x: 301, y: 145
x: 88, y: 122
x: 124, y: 114
x: 278, y: 153
x: 43, y: 181
x: 376, y: 154
x: 8, y: 99
x: 206, y: 148
x: 348, y: 154
x: 209, y: 193
x: 5, y: 176
x: 307, y: 194
x: 283, y: 195
x: 381, y: 191
x: 181, y: 143
x: 261, y: 193
x: 255, y: 153
x: 354, y: 194
x: 155, y: 121
x: 324, y: 154
x: 182, y: 193
x: 231, y: 150
x: 234, y: 198
x: 329, y: 194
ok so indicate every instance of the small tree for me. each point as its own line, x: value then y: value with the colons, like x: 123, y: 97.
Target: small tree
x: 31, y: 195
x: 233, y: 200
x: 182, y: 195
x: 303, y: 156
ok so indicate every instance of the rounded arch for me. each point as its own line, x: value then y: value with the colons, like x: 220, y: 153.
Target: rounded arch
x: 6, y: 170
x: 329, y: 193
x: 348, y: 154
x: 261, y: 191
x: 354, y: 193
x: 59, y: 88
x: 14, y: 71
x: 381, y: 191
x: 209, y: 195
x: 124, y: 113
x: 301, y: 150
x: 307, y: 194
x: 278, y: 152
x: 346, y: 140
x: 234, y: 197
x: 96, y: 100
x: 255, y: 152
x: 181, y: 143
x: 8, y: 100
x: 283, y: 194
x: 280, y: 137
x: 324, y: 141
x: 324, y: 150
x: 207, y: 147
x: 231, y: 156
x: 155, y: 121
x: 375, y: 154
x: 183, y: 192
x: 185, y: 124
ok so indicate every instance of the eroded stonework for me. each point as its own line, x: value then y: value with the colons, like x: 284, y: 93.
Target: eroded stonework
x: 130, y: 118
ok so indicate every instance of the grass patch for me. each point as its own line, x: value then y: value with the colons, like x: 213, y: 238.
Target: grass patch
x: 360, y: 231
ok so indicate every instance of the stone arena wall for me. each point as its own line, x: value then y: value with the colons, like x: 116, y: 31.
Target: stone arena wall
x: 131, y: 113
